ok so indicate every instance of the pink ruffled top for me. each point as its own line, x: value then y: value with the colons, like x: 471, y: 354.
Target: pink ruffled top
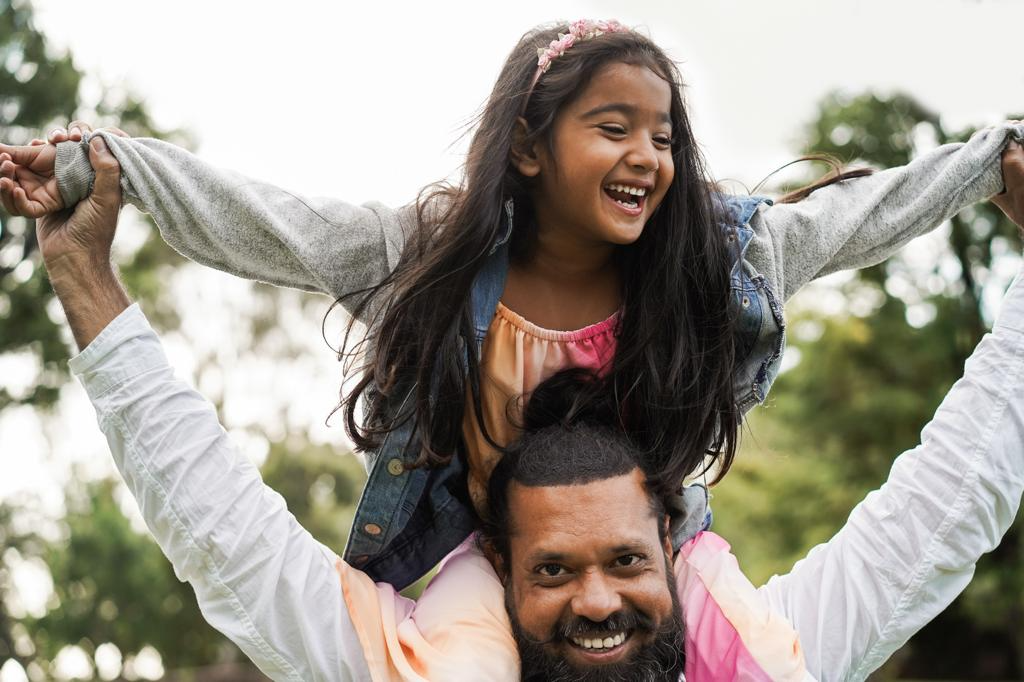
x: 516, y: 357
x: 459, y: 629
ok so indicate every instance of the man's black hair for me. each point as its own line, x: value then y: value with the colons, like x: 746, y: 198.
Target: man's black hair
x: 571, y: 436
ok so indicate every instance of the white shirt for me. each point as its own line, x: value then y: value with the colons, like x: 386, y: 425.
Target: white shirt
x: 904, y: 554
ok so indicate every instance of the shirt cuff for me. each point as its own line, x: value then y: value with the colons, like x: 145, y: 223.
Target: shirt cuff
x: 126, y: 348
x: 74, y: 172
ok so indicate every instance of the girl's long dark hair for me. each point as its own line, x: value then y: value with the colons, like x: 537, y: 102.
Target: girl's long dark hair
x: 672, y: 375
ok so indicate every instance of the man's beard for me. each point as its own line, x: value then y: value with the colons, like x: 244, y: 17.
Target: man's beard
x: 664, y: 659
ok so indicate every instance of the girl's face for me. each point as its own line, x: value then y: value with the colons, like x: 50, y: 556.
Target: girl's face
x: 611, y: 163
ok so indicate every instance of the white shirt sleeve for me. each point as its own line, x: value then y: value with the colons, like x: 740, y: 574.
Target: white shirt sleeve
x: 911, y: 546
x: 259, y: 577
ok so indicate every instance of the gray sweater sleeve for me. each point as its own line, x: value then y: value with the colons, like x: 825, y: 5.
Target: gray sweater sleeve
x: 245, y: 227
x: 861, y: 222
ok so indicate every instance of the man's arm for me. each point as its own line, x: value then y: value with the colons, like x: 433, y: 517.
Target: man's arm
x: 911, y: 547
x: 259, y: 577
x: 76, y: 250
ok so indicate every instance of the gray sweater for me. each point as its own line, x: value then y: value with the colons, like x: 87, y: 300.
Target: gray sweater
x: 262, y: 232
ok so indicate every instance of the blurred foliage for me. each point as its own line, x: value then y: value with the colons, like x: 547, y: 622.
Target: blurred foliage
x: 864, y: 386
x: 111, y: 583
x: 39, y: 90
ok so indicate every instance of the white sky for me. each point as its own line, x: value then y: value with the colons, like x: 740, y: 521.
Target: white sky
x: 363, y: 100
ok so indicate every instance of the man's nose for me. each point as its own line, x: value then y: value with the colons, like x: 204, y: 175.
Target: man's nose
x: 597, y: 598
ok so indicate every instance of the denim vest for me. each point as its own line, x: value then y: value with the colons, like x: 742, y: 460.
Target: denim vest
x: 407, y: 520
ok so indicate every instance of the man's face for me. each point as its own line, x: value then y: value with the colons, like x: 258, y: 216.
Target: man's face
x: 589, y: 588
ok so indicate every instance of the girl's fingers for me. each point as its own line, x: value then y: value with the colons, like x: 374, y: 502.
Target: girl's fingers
x: 36, y: 142
x: 6, y: 196
x: 29, y: 209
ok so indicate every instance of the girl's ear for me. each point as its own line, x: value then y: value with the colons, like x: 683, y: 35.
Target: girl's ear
x: 524, y: 153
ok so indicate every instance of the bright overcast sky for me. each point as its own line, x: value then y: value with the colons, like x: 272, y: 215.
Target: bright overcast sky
x: 363, y: 100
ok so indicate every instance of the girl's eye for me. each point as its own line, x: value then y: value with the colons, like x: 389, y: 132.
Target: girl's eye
x: 663, y: 140
x: 613, y: 129
x: 551, y: 570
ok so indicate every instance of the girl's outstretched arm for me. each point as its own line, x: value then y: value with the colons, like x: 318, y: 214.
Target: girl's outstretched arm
x: 862, y: 221
x: 242, y: 226
x: 911, y: 546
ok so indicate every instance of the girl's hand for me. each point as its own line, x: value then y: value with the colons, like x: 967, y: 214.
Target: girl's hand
x: 1011, y: 200
x: 28, y: 186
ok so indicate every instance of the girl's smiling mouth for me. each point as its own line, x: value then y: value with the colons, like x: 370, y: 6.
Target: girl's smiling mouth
x: 628, y: 198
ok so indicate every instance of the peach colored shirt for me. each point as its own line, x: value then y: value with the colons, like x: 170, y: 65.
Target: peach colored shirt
x: 516, y: 357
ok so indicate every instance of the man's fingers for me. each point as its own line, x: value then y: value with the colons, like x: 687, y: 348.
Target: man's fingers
x: 1013, y: 165
x: 106, y: 189
x: 115, y: 131
x: 77, y: 128
x: 57, y: 135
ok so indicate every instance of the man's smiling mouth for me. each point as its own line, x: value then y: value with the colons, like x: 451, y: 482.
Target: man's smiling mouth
x: 598, y: 644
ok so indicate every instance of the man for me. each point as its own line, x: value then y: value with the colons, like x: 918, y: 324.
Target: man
x: 580, y: 580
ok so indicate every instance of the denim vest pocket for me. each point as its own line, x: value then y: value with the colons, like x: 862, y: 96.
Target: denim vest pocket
x: 764, y: 331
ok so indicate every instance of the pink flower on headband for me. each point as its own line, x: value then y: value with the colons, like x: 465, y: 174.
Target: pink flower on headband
x: 579, y: 30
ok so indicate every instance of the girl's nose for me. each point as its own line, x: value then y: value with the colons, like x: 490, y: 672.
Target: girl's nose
x: 643, y: 157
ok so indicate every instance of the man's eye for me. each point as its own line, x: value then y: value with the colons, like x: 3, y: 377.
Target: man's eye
x: 551, y: 570
x: 627, y: 560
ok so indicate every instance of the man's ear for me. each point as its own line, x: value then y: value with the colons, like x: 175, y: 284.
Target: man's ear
x: 524, y: 153
x: 667, y: 542
x: 497, y: 562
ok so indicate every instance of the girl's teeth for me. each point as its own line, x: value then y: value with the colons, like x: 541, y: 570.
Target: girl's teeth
x: 636, y: 191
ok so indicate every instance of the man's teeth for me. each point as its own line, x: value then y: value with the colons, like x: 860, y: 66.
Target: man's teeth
x: 636, y: 191
x: 597, y: 643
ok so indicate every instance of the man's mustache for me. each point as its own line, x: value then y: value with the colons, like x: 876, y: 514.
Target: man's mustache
x: 621, y: 621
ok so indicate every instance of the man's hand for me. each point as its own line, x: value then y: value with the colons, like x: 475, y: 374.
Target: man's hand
x: 76, y: 250
x: 28, y: 182
x: 1011, y: 200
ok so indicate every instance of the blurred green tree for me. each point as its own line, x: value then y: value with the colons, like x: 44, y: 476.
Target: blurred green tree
x: 111, y: 584
x: 866, y: 383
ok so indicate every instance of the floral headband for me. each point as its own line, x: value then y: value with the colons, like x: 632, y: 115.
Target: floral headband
x: 579, y: 30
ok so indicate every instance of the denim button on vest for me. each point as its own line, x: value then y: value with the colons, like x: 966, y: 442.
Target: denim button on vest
x: 408, y: 520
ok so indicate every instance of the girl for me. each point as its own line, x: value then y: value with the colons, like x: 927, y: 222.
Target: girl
x: 585, y: 233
